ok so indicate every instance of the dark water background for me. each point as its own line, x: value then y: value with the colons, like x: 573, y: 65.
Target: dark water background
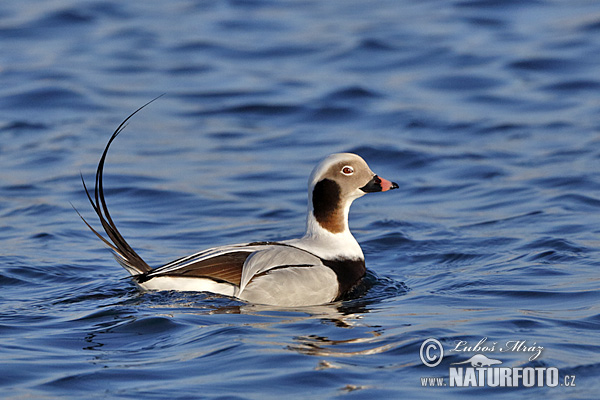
x: 486, y: 112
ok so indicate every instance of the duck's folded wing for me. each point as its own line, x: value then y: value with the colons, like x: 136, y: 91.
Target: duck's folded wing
x: 221, y: 264
x: 275, y: 257
x: 267, y: 273
x: 287, y: 276
x: 234, y: 264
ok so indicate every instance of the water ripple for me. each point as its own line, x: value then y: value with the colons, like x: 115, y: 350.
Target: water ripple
x: 483, y: 112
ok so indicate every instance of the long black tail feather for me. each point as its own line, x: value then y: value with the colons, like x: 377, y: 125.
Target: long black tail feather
x: 124, y: 254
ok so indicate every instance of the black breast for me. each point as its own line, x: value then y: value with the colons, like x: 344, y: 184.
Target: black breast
x: 349, y: 274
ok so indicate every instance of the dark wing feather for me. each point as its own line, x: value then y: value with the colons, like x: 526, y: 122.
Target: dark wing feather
x: 222, y: 268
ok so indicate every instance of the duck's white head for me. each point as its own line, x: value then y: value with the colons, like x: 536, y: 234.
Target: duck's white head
x: 334, y: 184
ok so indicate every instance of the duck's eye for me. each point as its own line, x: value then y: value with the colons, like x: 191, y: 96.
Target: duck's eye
x: 347, y: 170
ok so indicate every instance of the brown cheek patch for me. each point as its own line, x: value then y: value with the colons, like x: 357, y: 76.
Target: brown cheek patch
x: 326, y: 206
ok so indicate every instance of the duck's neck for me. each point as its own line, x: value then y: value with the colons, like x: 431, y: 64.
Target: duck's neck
x: 327, y: 233
x: 331, y: 244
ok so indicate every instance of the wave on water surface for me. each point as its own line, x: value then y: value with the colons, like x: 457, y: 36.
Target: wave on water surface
x: 484, y: 112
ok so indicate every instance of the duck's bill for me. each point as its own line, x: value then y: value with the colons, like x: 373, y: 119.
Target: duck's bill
x: 378, y: 184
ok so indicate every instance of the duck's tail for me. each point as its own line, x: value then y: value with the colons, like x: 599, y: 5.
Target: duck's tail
x: 124, y: 254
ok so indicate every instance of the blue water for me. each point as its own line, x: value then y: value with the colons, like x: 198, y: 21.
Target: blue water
x: 486, y: 113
